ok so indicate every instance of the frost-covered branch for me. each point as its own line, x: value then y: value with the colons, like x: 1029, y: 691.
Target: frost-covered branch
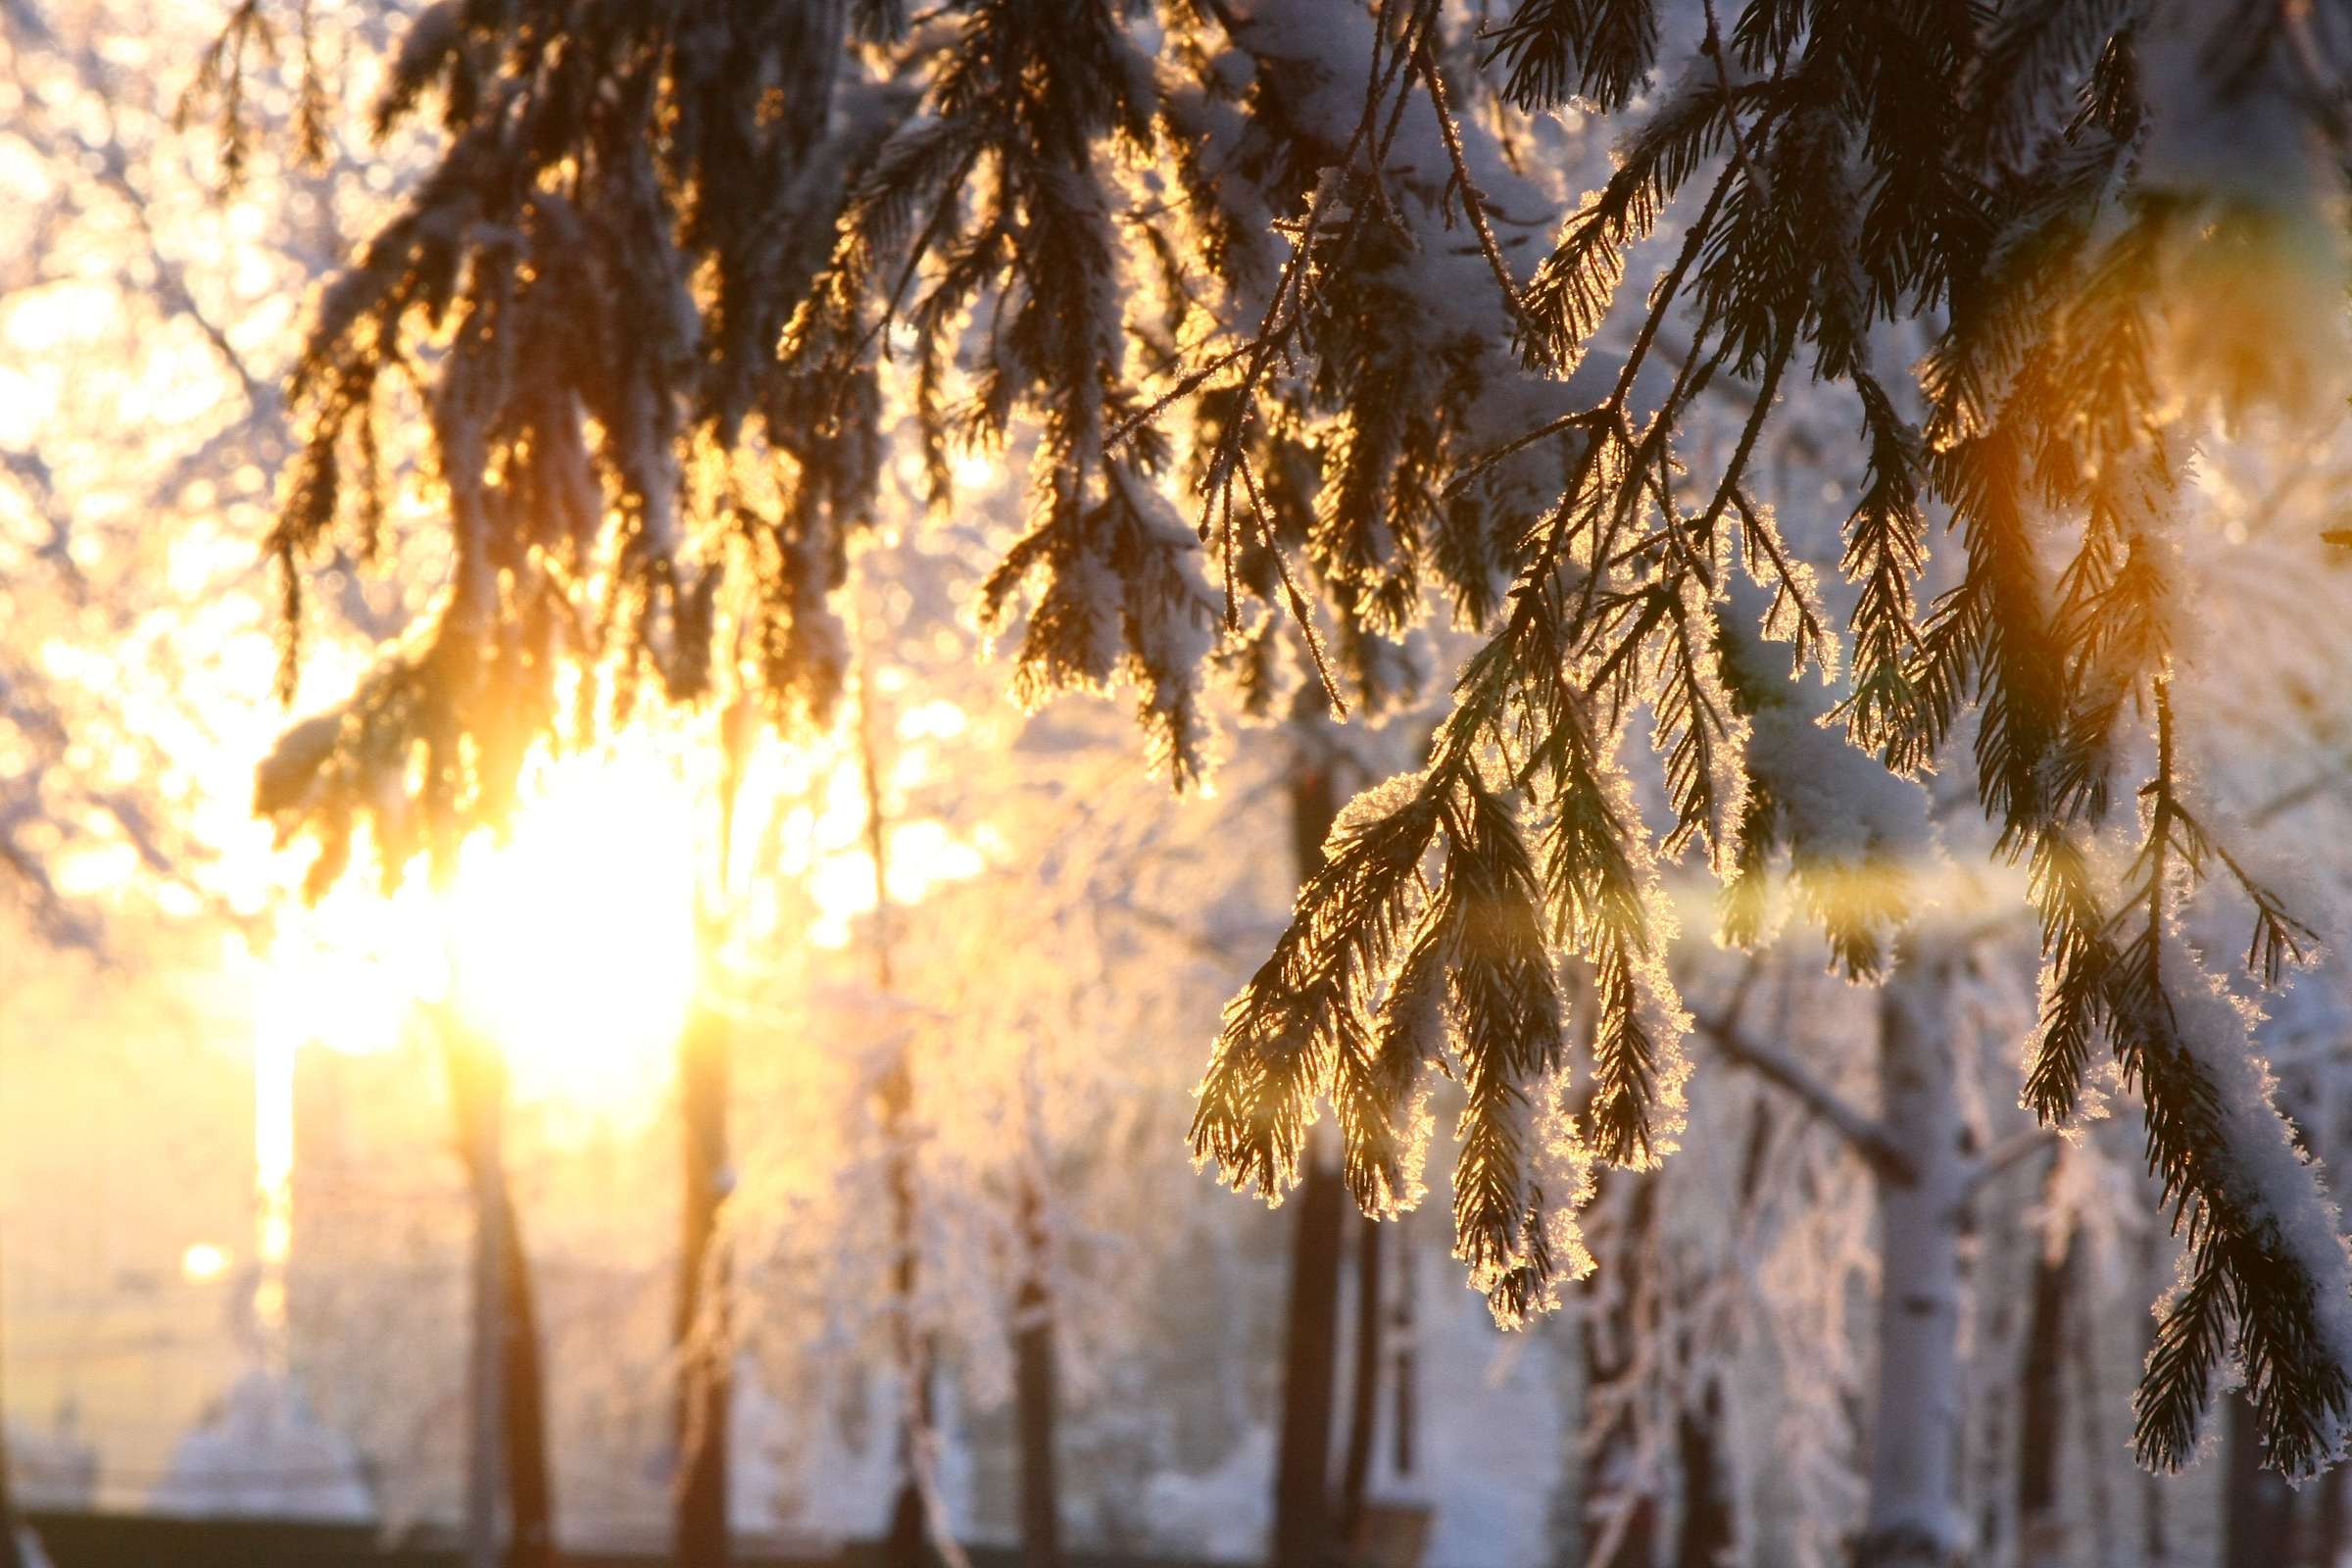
x: 1863, y: 1132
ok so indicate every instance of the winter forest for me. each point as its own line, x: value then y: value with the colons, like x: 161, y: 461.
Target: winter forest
x: 1149, y: 783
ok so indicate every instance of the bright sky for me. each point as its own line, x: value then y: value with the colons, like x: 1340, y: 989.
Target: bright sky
x: 572, y: 942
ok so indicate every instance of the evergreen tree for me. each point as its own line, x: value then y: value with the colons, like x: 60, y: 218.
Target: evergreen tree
x: 1263, y: 266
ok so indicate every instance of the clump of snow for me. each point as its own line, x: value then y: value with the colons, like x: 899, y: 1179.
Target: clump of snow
x: 1857, y: 833
x: 1224, y: 1513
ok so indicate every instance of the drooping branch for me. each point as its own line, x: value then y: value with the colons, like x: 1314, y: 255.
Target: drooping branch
x: 1864, y: 1133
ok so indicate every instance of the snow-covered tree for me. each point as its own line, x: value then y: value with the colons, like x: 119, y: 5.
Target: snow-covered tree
x: 129, y: 400
x: 964, y: 1198
x: 1263, y: 269
x: 143, y: 327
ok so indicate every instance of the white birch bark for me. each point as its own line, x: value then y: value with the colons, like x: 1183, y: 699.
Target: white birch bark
x: 1916, y: 1422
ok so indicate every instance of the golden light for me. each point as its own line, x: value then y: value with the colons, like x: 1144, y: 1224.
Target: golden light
x: 829, y: 849
x: 348, y: 973
x: 204, y: 1261
x: 572, y: 942
x: 936, y: 718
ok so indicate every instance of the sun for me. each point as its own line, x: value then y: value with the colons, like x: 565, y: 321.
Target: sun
x: 571, y: 942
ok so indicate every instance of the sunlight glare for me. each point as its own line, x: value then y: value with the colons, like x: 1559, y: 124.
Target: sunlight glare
x: 938, y: 717
x: 573, y: 941
x: 922, y: 854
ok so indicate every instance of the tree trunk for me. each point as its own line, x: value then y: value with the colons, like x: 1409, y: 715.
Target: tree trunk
x: 1404, y: 1334
x: 1036, y: 1395
x: 2040, y: 1527
x: 908, y: 1543
x: 532, y: 1492
x: 1303, y: 1536
x: 2329, y: 1543
x: 1363, y: 1394
x: 11, y: 1554
x: 1612, y: 1495
x: 474, y: 1095
x: 1710, y: 1529
x: 702, y: 1340
x: 510, y: 1400
x: 1915, y: 1423
x: 1303, y: 1527
x: 2258, y: 1507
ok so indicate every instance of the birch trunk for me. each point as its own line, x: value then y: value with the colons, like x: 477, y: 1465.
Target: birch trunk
x: 1916, y: 1419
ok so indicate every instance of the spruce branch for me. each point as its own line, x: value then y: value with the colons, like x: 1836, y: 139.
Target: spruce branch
x: 1473, y: 200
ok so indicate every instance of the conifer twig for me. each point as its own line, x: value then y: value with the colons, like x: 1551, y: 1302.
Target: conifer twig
x: 1473, y: 199
x: 1712, y: 48
x: 1298, y: 609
